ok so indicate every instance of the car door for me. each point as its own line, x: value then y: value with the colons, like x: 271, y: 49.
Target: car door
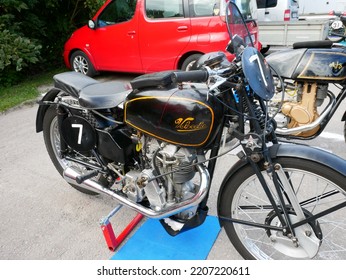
x: 164, y: 32
x: 114, y: 44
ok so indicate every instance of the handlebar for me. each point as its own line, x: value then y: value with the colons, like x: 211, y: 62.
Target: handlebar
x: 190, y: 76
x: 202, y: 75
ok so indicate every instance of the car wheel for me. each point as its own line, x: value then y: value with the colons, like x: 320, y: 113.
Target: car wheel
x: 82, y: 64
x: 189, y: 62
x: 265, y: 50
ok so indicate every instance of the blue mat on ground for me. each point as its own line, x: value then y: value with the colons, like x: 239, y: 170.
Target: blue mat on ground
x: 152, y: 242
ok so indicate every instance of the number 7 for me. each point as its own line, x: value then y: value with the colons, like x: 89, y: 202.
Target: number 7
x: 80, y: 127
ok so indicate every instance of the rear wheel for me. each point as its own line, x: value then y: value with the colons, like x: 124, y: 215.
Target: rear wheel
x: 317, y: 188
x: 189, y: 62
x: 52, y: 141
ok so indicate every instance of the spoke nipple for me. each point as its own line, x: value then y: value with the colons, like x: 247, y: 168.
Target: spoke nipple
x: 266, y: 165
x: 272, y: 238
x: 295, y: 242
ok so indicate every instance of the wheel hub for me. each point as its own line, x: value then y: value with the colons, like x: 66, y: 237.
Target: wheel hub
x: 305, y: 243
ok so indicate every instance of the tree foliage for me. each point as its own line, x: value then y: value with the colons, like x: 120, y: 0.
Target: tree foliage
x: 33, y: 33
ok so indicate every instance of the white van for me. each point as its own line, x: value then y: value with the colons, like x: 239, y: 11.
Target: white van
x: 277, y: 10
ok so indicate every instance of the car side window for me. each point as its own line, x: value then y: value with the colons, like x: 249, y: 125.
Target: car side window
x: 204, y: 8
x: 158, y: 9
x: 117, y: 11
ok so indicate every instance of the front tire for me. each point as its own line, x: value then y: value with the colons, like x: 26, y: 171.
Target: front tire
x: 81, y: 63
x: 317, y: 188
x: 52, y: 141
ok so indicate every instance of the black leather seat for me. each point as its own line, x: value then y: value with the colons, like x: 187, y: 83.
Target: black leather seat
x: 103, y: 95
x: 72, y: 82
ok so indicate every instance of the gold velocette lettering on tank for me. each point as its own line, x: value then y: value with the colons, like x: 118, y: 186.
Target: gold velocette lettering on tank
x: 188, y: 125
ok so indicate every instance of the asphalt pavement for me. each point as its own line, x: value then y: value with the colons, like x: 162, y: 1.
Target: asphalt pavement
x: 43, y: 218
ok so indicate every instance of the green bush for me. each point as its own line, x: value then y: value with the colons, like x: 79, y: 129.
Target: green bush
x: 16, y: 53
x: 33, y: 33
x: 93, y: 6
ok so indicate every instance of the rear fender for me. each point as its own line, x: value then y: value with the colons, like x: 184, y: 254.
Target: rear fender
x: 295, y: 151
x: 42, y: 109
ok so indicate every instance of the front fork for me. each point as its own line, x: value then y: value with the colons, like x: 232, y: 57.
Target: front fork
x: 287, y: 216
x: 282, y: 186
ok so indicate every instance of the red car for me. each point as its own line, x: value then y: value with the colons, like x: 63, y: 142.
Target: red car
x: 142, y: 36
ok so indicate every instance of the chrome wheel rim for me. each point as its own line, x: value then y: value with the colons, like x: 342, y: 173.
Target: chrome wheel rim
x: 55, y: 142
x: 80, y: 64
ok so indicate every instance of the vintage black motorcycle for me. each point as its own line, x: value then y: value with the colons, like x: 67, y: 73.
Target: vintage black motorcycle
x: 153, y: 147
x: 307, y: 72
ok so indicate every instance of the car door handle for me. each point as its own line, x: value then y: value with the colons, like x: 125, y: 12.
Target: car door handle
x: 182, y: 28
x: 131, y: 33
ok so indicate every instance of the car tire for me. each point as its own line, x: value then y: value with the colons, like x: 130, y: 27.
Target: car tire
x: 189, y: 61
x: 264, y: 50
x: 81, y: 63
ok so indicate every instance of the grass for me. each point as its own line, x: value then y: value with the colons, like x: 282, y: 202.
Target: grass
x: 26, y: 90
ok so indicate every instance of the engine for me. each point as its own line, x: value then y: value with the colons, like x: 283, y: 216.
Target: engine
x: 168, y: 176
x: 299, y: 107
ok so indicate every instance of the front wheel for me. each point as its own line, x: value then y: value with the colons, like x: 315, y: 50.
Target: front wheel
x: 317, y: 188
x: 81, y: 63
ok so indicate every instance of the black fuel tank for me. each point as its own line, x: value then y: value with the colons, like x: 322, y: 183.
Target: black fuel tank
x: 181, y: 116
x: 317, y: 64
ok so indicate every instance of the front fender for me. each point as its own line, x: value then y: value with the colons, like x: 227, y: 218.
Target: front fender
x: 295, y: 151
x: 49, y: 96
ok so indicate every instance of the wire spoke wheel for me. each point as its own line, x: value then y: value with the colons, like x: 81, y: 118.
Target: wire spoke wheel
x: 317, y: 188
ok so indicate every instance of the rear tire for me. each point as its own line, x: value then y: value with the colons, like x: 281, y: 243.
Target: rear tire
x: 190, y: 61
x: 317, y: 188
x: 52, y: 141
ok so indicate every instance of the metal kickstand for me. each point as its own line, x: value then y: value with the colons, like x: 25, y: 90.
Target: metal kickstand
x: 112, y: 241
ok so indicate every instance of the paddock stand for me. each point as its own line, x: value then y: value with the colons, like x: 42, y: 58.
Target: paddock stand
x: 112, y: 241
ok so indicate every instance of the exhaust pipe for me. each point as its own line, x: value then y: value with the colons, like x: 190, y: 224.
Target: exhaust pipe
x: 70, y: 175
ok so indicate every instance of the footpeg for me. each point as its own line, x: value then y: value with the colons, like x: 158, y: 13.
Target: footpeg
x: 80, y: 179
